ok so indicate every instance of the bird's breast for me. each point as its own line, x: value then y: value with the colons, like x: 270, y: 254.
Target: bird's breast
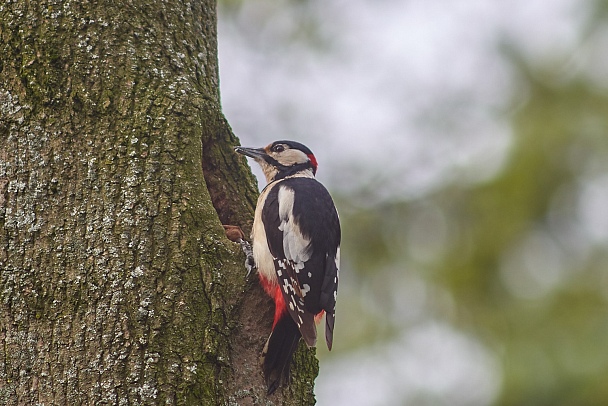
x: 262, y: 256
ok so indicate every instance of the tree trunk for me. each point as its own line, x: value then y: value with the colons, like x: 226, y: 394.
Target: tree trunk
x: 117, y: 283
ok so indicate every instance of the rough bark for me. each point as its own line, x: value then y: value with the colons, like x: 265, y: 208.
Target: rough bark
x: 117, y: 284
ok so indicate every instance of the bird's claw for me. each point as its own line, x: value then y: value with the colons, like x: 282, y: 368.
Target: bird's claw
x: 249, y: 262
x: 235, y: 234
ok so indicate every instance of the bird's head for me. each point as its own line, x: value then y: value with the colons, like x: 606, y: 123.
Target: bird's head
x: 282, y: 158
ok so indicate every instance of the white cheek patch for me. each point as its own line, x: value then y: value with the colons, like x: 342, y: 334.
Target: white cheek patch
x: 291, y: 157
x: 296, y: 245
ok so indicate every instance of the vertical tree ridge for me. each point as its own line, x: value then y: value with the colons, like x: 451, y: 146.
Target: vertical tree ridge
x: 117, y: 285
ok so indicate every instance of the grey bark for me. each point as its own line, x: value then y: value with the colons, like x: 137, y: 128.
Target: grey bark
x: 117, y: 284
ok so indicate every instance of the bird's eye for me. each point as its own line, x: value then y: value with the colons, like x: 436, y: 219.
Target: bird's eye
x: 278, y: 148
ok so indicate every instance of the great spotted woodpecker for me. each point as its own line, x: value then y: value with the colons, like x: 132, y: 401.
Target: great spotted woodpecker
x: 296, y: 249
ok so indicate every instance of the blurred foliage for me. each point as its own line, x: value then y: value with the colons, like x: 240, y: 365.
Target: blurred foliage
x: 551, y: 336
x: 513, y: 253
x: 518, y: 261
x: 276, y: 24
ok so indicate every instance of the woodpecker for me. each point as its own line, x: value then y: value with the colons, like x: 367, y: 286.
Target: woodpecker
x: 296, y: 250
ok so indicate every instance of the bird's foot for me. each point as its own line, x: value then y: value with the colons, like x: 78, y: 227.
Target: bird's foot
x: 235, y: 234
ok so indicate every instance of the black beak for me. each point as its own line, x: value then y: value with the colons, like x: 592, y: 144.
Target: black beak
x: 251, y: 152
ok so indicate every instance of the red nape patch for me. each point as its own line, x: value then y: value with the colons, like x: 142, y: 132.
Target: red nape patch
x: 274, y: 291
x: 314, y: 163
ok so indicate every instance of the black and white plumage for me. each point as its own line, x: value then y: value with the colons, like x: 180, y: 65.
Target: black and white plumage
x: 296, y: 249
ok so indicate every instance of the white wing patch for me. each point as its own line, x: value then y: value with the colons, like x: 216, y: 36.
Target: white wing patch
x: 296, y: 246
x: 337, y: 259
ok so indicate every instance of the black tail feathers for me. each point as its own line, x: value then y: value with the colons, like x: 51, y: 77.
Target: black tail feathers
x: 278, y: 352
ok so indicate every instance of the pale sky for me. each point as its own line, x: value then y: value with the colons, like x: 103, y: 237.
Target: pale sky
x: 411, y: 94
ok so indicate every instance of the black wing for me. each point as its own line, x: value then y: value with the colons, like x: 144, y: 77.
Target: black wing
x: 305, y: 248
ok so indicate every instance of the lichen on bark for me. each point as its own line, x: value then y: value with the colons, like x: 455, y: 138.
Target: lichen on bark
x: 117, y: 284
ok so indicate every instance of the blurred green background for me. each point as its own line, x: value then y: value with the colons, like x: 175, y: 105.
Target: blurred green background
x: 466, y: 146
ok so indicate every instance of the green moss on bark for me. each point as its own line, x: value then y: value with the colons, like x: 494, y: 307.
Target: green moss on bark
x: 117, y: 283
